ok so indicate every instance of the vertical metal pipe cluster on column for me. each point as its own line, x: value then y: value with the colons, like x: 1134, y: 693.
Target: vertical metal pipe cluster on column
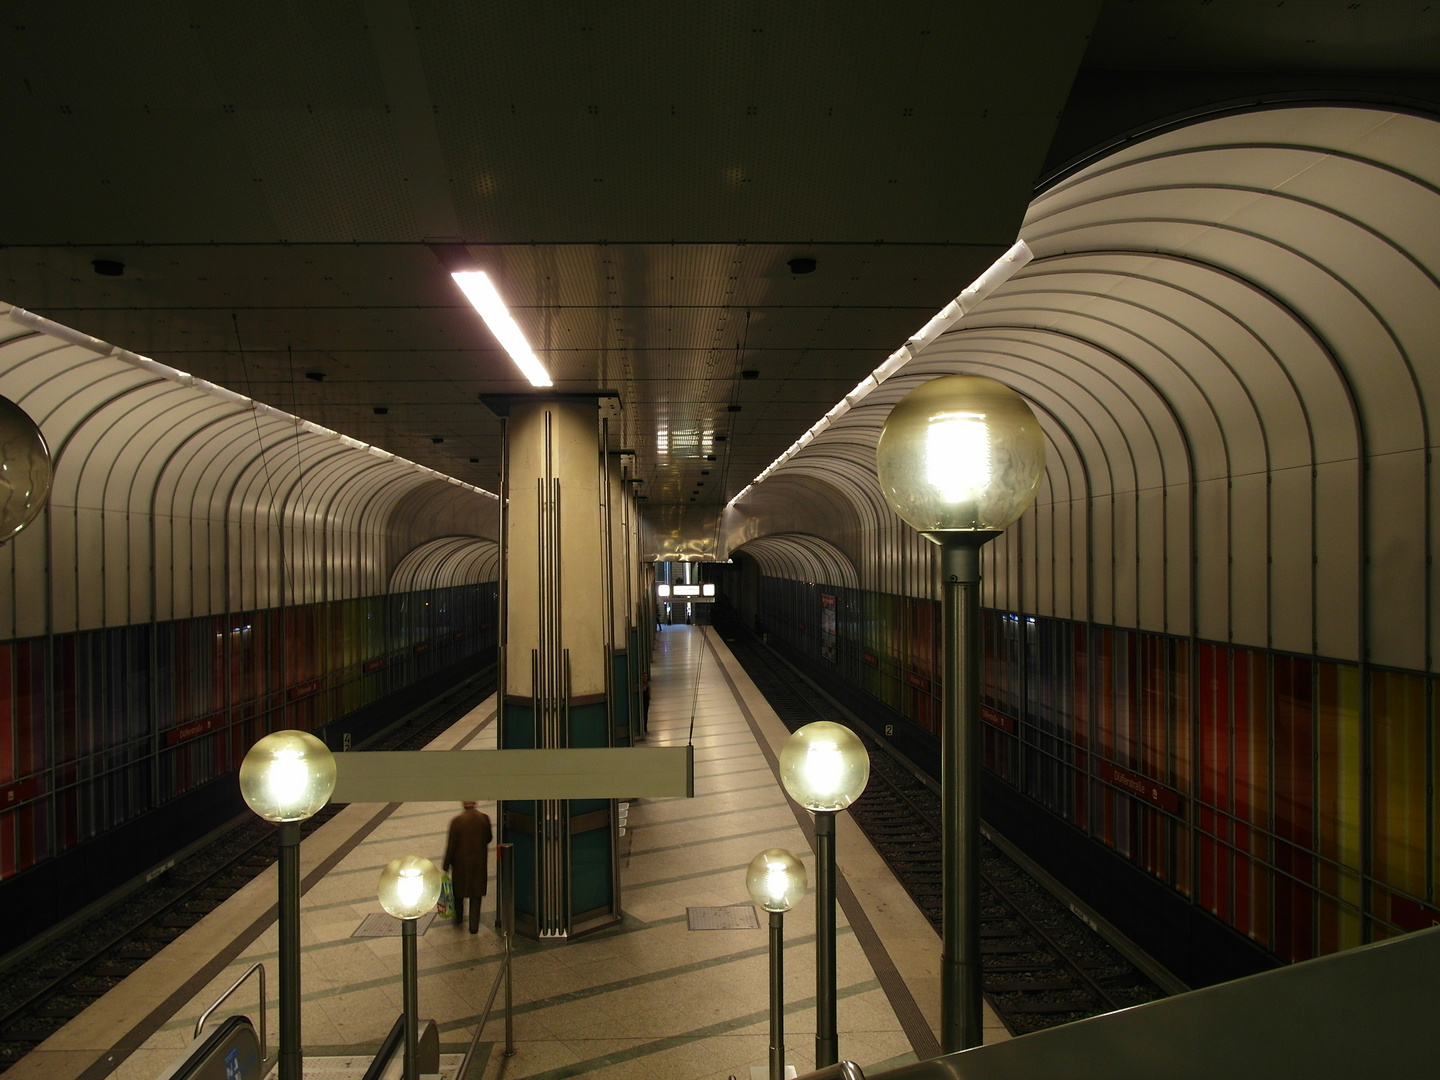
x: 558, y: 588
x: 962, y: 981
x: 502, y: 600
x: 607, y: 574
x: 629, y: 593
x: 551, y: 687
x: 550, y: 691
x: 289, y: 960
x: 617, y: 599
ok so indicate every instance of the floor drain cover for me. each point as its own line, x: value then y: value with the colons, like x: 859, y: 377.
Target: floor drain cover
x: 382, y: 925
x: 734, y: 917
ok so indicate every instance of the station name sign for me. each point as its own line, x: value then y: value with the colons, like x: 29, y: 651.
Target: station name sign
x: 1141, y: 787
x: 193, y: 730
x: 997, y: 718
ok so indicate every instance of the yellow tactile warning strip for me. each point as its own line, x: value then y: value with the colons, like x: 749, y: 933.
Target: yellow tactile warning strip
x: 646, y: 996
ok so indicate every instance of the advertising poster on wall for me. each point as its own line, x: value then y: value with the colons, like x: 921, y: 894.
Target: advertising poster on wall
x: 827, y: 628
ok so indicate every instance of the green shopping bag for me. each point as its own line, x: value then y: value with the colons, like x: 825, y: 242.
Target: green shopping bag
x: 445, y: 907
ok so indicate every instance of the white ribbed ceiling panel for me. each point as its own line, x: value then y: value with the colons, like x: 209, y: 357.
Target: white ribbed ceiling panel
x: 447, y: 561
x: 173, y: 497
x: 800, y: 557
x: 1231, y: 335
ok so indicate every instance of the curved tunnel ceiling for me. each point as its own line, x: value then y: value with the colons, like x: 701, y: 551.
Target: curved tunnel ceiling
x: 1229, y: 333
x: 801, y: 557
x: 447, y: 561
x: 174, y: 497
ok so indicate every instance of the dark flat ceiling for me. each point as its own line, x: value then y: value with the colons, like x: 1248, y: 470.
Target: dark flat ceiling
x: 278, y: 178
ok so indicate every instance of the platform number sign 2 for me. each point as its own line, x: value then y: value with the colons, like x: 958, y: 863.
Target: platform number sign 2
x: 232, y: 1064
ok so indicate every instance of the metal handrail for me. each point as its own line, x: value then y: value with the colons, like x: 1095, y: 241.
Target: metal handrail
x: 388, y: 1046
x: 505, y: 895
x: 200, y: 1024
x: 843, y: 1070
x: 484, y: 1017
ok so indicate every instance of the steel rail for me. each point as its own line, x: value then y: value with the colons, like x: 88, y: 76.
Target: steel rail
x: 505, y: 903
x: 200, y: 1024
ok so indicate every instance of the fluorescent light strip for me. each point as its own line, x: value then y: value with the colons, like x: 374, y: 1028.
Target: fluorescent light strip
x: 945, y: 319
x: 481, y: 292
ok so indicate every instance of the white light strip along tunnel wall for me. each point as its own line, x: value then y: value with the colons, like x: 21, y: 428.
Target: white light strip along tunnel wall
x: 945, y: 319
x: 485, y: 298
x: 42, y: 325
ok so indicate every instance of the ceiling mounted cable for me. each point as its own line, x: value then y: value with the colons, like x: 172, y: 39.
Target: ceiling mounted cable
x: 287, y: 577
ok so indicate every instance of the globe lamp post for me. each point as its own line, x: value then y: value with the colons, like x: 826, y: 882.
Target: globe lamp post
x: 959, y: 459
x: 409, y: 887
x: 824, y: 767
x: 776, y: 881
x: 25, y: 469
x: 285, y: 778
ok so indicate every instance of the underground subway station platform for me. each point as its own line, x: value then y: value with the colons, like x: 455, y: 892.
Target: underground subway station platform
x: 719, y: 542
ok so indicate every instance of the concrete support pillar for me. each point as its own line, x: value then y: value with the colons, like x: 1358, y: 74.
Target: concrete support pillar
x: 557, y: 653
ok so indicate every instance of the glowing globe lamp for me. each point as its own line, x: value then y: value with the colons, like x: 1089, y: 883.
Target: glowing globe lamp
x: 824, y: 766
x: 961, y: 452
x: 775, y: 880
x: 25, y: 469
x: 960, y: 459
x: 409, y: 887
x: 287, y: 776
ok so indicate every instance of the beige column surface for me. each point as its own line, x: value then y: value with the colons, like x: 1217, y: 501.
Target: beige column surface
x: 575, y: 463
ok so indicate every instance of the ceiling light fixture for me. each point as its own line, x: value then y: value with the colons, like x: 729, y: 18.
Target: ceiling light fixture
x: 482, y: 294
x: 944, y: 320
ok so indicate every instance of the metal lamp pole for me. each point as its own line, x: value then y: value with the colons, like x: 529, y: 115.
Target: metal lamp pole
x: 827, y: 1039
x: 290, y: 1065
x: 775, y: 880
x: 960, y: 459
x: 824, y: 767
x: 410, y: 997
x: 408, y: 888
x: 777, y: 995
x: 962, y: 982
x: 285, y: 777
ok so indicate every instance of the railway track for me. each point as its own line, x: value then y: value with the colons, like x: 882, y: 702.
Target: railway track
x: 41, y: 993
x: 1044, y: 964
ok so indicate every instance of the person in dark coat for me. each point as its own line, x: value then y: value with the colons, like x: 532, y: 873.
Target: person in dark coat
x: 465, y: 858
